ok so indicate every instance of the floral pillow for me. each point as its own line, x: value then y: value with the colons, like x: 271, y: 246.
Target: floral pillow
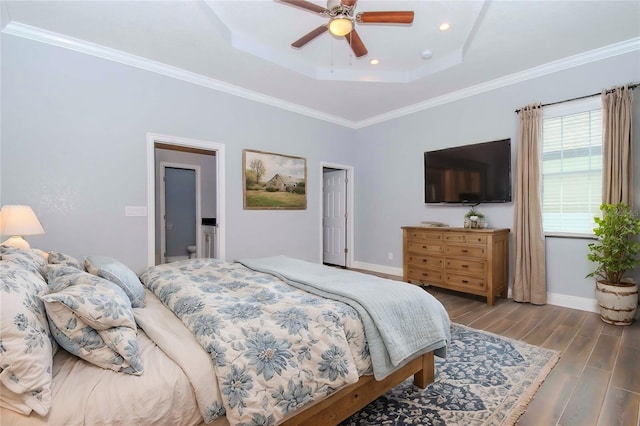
x: 26, y: 346
x: 92, y: 318
x: 31, y: 259
x: 119, y: 274
x: 57, y: 258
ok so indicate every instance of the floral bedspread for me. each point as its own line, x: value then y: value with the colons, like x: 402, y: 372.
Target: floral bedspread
x: 274, y: 348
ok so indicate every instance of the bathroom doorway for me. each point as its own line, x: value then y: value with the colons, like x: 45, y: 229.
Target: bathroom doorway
x: 187, y: 154
x: 180, y: 211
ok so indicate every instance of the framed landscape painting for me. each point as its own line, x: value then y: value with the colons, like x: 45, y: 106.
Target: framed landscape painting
x: 273, y: 181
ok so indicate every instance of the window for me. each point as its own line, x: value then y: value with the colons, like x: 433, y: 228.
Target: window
x: 571, y: 166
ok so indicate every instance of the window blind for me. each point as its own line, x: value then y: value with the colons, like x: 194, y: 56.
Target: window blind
x: 571, y: 167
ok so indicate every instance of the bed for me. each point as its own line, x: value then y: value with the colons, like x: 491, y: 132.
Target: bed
x: 257, y: 341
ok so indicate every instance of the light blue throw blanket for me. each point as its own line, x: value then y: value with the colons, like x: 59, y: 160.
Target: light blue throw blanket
x: 401, y: 321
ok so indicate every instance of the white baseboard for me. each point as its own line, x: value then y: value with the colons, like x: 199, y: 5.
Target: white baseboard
x: 573, y: 302
x: 564, y: 300
x: 382, y: 269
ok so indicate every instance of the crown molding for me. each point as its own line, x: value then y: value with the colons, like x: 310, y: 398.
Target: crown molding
x: 621, y: 48
x: 82, y: 46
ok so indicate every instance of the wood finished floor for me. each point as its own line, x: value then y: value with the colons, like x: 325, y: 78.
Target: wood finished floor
x: 596, y: 381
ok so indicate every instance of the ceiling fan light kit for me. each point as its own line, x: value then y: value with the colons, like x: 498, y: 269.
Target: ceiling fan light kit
x: 342, y: 21
x: 340, y: 26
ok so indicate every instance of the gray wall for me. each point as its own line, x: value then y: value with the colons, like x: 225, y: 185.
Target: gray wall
x: 74, y: 148
x: 390, y: 160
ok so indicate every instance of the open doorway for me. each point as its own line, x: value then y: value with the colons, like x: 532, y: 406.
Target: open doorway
x: 180, y: 211
x: 202, y: 164
x: 337, y: 223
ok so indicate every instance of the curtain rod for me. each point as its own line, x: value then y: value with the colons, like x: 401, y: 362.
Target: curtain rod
x: 630, y: 86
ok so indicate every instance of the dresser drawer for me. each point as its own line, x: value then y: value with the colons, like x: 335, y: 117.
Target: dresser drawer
x: 425, y: 236
x: 466, y: 251
x: 475, y: 267
x: 427, y: 262
x: 463, y: 281
x: 469, y: 238
x: 424, y: 276
x: 424, y: 247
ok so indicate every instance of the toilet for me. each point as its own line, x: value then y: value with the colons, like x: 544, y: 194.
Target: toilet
x: 192, y: 250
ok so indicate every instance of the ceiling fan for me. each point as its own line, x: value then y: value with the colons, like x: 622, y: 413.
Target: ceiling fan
x: 342, y: 21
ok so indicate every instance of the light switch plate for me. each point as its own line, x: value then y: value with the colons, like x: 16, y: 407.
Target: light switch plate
x: 135, y: 211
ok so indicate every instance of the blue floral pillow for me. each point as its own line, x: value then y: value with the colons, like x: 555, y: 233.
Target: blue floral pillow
x: 57, y: 258
x: 26, y: 346
x: 92, y: 318
x: 119, y: 274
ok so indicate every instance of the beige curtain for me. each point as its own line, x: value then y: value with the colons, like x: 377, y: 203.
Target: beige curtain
x: 617, y: 145
x: 529, y: 283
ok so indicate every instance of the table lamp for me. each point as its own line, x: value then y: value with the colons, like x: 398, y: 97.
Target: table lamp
x: 17, y: 221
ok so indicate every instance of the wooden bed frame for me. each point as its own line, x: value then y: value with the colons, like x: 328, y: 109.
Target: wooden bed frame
x: 351, y: 399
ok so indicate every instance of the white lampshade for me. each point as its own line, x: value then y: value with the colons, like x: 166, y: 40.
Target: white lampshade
x: 340, y: 25
x: 17, y: 221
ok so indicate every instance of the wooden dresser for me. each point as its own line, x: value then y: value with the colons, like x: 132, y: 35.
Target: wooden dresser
x: 473, y: 261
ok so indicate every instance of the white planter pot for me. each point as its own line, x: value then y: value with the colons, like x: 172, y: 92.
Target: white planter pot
x: 618, y: 303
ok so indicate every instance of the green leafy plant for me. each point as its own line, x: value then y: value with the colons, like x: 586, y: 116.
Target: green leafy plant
x: 616, y: 251
x: 473, y: 212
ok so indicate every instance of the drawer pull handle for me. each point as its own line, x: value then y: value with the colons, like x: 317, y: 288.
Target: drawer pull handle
x: 463, y: 250
x: 424, y: 247
x: 465, y: 266
x: 465, y: 281
x: 424, y: 260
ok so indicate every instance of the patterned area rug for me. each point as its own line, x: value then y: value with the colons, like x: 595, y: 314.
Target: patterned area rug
x: 485, y: 380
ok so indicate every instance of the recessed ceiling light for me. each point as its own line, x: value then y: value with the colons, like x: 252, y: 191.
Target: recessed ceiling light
x: 374, y: 62
x: 426, y: 54
x: 444, y: 26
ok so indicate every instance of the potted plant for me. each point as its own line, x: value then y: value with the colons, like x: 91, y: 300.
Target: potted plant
x: 615, y: 253
x: 473, y: 219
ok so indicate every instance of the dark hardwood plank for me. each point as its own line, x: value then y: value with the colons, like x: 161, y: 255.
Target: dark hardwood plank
x: 550, y: 400
x: 560, y: 338
x: 583, y: 409
x: 626, y: 374
x: 620, y: 408
x: 631, y: 337
x: 574, y: 359
x: 605, y: 352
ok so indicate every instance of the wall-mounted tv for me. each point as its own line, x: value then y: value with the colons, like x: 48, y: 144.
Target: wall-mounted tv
x: 469, y: 174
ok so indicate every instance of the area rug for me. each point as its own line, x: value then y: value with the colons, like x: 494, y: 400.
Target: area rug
x: 486, y: 379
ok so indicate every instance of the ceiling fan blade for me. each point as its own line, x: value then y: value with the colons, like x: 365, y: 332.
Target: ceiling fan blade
x: 356, y: 43
x: 306, y: 5
x: 398, y: 17
x: 310, y: 36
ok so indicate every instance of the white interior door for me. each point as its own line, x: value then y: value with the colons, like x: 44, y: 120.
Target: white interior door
x: 334, y: 217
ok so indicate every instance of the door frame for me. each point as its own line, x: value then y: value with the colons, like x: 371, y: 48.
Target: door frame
x: 163, y: 230
x: 152, y: 139
x: 349, y: 207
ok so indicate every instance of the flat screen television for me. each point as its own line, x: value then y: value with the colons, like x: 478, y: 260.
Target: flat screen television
x: 469, y: 174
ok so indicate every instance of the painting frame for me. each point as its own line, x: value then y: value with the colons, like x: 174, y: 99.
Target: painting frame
x: 272, y: 181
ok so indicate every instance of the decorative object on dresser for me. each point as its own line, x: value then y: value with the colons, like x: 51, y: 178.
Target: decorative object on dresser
x: 473, y: 261
x: 615, y: 253
x: 474, y: 219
